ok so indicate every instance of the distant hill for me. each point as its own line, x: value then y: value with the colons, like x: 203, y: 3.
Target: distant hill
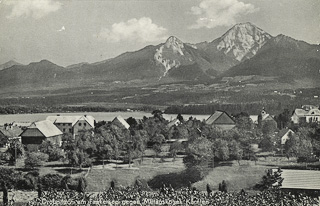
x: 9, y: 64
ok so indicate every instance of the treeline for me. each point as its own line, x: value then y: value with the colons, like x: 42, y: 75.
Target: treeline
x: 250, y: 108
x: 54, y: 109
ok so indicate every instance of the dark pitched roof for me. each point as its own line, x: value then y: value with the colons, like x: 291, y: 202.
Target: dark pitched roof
x: 11, y: 131
x: 283, y: 132
x: 301, y: 179
x: 46, y: 127
x: 220, y: 117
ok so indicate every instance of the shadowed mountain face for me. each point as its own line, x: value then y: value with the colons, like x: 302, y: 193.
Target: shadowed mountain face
x: 243, y: 50
x: 283, y: 57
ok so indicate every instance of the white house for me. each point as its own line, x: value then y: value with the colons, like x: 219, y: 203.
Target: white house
x: 72, y: 124
x: 307, y: 113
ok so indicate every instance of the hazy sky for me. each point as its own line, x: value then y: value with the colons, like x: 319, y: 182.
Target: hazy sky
x: 73, y: 31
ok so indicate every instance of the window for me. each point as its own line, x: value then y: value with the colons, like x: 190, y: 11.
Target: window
x: 70, y: 130
x: 79, y: 124
x: 84, y: 124
x: 64, y: 130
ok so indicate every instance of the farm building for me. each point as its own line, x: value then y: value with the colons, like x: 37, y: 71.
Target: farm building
x: 72, y: 124
x: 38, y: 132
x: 119, y: 121
x: 264, y: 117
x: 301, y: 180
x: 7, y: 133
x: 284, y: 135
x: 308, y: 113
x: 221, y: 120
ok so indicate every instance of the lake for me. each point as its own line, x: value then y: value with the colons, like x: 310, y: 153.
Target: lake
x: 99, y: 116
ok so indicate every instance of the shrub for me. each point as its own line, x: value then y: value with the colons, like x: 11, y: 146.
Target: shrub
x: 29, y: 181
x: 35, y: 159
x: 52, y: 181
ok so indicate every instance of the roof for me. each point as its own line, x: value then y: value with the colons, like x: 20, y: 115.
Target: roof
x: 71, y: 119
x: 122, y: 121
x: 174, y: 122
x: 302, y: 112
x: 301, y: 179
x: 220, y: 117
x: 46, y: 127
x: 284, y: 132
x: 11, y: 131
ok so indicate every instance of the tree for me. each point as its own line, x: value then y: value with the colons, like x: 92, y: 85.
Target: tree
x: 55, y: 153
x: 157, y: 143
x: 82, y: 184
x: 35, y: 159
x: 174, y: 148
x: 291, y: 146
x: 199, y: 151
x: 180, y: 118
x: 15, y: 150
x: 221, y: 149
x: 79, y: 150
x: 283, y: 119
x: 243, y: 121
x: 235, y: 151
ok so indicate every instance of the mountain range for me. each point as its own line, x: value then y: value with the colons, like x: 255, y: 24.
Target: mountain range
x: 243, y: 50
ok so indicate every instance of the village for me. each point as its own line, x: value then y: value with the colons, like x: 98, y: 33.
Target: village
x: 78, y: 153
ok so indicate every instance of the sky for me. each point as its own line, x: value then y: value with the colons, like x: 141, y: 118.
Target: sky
x: 72, y: 31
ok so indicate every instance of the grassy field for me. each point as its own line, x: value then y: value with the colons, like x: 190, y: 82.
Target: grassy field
x: 99, y: 178
x: 243, y: 176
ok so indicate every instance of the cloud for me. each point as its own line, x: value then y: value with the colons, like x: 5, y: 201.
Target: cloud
x: 34, y: 8
x: 213, y: 13
x: 142, y: 30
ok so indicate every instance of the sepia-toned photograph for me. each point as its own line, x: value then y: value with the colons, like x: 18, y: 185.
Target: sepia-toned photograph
x: 160, y: 102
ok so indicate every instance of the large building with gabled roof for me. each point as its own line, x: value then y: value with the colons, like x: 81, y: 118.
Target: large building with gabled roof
x: 38, y: 132
x: 301, y: 180
x: 72, y: 124
x: 221, y: 120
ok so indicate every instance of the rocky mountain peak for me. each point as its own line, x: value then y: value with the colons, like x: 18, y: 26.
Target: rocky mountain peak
x: 175, y: 44
x: 243, y: 41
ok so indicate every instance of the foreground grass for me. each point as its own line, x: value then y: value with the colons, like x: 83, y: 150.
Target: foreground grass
x: 100, y: 178
x: 244, y: 176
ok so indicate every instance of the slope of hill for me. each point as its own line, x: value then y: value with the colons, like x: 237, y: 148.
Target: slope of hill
x: 43, y: 73
x: 282, y: 57
x: 9, y: 64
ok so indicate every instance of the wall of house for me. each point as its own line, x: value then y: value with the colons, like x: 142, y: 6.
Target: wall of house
x: 224, y: 126
x: 57, y: 140
x: 65, y: 127
x: 81, y: 125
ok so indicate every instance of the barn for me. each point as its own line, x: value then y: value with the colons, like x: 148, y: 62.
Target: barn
x: 38, y: 132
x: 221, y: 120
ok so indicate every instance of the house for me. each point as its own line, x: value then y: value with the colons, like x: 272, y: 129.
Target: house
x: 284, y: 135
x: 38, y: 132
x: 221, y: 120
x: 120, y: 122
x: 72, y: 124
x: 300, y: 180
x: 175, y: 122
x: 307, y: 113
x: 264, y: 117
x: 7, y: 133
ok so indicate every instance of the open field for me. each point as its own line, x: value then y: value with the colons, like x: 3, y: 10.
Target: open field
x: 99, y: 178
